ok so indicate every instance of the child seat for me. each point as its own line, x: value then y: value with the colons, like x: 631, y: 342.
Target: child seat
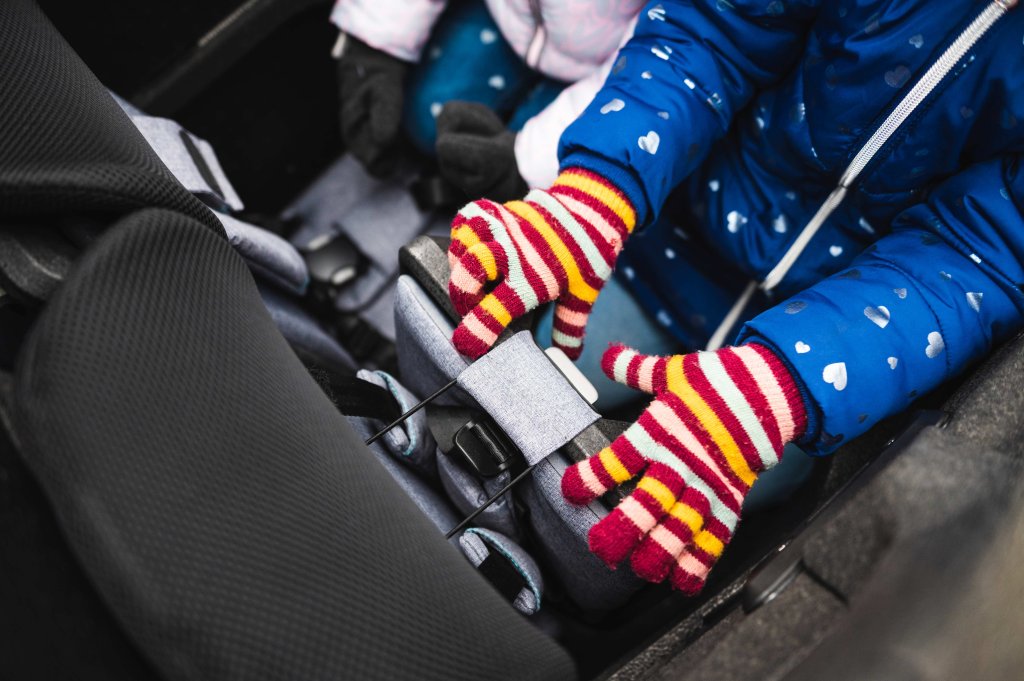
x: 225, y: 513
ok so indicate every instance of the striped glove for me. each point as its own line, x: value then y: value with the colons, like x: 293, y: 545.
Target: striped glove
x: 556, y: 245
x: 717, y: 421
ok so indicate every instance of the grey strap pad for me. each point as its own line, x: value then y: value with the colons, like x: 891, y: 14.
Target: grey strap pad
x: 519, y: 387
x: 190, y: 159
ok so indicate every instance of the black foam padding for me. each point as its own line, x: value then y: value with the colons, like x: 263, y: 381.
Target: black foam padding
x: 425, y: 259
x: 938, y: 477
x: 230, y: 518
x: 54, y: 626
x: 988, y: 410
x: 760, y: 645
x: 66, y: 147
x: 944, y: 600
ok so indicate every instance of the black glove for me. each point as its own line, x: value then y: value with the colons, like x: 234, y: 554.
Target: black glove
x: 476, y: 152
x: 370, y: 85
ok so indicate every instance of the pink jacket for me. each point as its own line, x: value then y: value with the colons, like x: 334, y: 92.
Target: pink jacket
x: 570, y: 40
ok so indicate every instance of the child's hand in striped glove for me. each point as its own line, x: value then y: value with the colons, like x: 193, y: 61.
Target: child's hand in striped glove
x: 718, y: 420
x: 555, y: 245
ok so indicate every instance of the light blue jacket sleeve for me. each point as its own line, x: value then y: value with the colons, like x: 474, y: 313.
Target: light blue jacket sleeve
x: 676, y: 87
x: 915, y: 309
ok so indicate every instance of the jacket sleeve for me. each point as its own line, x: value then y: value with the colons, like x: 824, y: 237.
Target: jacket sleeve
x: 913, y: 310
x: 676, y: 86
x: 398, y: 27
x: 537, y: 142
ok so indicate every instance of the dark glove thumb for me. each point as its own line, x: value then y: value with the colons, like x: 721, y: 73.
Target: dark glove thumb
x: 469, y: 117
x: 481, y: 166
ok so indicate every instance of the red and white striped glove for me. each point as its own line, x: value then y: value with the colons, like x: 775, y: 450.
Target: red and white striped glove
x: 556, y: 245
x: 717, y: 421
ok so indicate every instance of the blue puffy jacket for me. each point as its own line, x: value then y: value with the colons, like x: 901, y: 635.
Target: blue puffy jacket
x: 750, y: 113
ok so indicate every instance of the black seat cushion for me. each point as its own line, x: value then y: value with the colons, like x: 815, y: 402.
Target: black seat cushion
x: 226, y: 513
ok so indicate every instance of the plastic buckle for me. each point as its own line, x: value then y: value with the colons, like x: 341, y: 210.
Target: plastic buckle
x: 485, y: 449
x: 333, y: 261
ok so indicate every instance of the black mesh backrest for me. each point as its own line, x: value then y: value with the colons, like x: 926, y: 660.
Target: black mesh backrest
x: 65, y: 145
x: 227, y: 514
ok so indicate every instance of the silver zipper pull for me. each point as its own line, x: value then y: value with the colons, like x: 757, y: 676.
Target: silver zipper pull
x: 339, y: 45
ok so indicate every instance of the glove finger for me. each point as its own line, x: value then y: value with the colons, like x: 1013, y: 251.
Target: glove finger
x: 472, y: 224
x: 693, y: 565
x: 481, y: 166
x: 469, y: 117
x: 659, y: 551
x: 635, y: 369
x: 470, y: 227
x: 478, y: 330
x: 618, y: 533
x: 384, y: 161
x: 473, y: 164
x: 586, y: 480
x: 569, y: 327
x: 360, y: 143
x: 354, y: 113
x: 481, y: 264
x: 385, y: 112
x: 467, y: 152
x: 369, y: 128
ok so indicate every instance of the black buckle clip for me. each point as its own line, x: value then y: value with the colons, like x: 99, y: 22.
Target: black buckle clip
x: 486, y: 449
x: 333, y: 261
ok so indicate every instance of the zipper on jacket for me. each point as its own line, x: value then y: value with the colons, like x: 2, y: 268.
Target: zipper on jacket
x: 925, y: 85
x: 540, y: 36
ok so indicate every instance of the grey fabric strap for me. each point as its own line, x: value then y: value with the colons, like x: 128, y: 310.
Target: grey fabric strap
x: 479, y: 544
x: 267, y: 254
x: 527, y: 396
x: 303, y: 333
x: 411, y: 442
x: 561, y: 530
x: 468, y: 492
x: 194, y: 164
x: 190, y: 159
x: 378, y: 216
x: 426, y: 358
x: 423, y: 494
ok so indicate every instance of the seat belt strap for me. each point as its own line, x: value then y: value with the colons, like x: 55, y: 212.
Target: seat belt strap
x: 355, y: 397
x: 502, y: 576
x: 191, y: 160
